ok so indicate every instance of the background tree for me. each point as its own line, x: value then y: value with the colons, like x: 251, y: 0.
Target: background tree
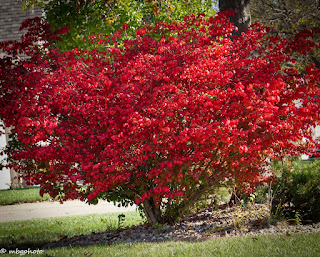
x: 103, y: 16
x: 242, y: 20
x: 86, y: 18
x: 242, y: 17
x: 289, y: 17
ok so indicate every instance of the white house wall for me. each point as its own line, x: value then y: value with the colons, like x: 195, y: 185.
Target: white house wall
x: 4, y: 173
x: 11, y: 18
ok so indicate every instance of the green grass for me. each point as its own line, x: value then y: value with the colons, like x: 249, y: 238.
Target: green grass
x: 27, y: 195
x: 299, y: 245
x: 36, y: 233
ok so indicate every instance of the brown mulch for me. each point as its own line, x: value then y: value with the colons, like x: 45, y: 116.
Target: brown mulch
x: 209, y: 223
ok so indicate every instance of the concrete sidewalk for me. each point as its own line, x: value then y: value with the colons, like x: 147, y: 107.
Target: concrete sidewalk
x: 39, y: 210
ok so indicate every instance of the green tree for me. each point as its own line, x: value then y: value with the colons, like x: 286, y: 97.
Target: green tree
x: 87, y: 18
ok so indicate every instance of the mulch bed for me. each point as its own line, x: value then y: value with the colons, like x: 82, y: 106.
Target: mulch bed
x: 210, y: 223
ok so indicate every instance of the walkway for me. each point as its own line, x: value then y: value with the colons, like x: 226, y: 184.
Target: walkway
x: 39, y: 210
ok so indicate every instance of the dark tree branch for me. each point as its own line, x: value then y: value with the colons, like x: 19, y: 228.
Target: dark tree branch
x: 242, y: 17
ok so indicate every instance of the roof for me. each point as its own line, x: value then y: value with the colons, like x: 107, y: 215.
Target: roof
x: 11, y: 18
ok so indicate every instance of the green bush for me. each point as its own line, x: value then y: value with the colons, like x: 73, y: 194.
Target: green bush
x: 297, y: 191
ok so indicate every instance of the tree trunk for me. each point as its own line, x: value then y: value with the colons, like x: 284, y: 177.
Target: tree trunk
x: 242, y: 17
x: 153, y: 214
x: 242, y: 20
x: 192, y: 199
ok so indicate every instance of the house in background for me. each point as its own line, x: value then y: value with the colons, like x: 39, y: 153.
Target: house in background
x: 316, y: 154
x: 11, y: 18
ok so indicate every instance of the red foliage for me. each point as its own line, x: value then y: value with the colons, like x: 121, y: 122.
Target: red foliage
x: 180, y: 105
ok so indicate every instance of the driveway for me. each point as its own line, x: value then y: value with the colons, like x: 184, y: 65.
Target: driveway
x: 39, y: 210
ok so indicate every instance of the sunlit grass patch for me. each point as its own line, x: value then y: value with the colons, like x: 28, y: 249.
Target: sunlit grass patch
x: 25, y: 195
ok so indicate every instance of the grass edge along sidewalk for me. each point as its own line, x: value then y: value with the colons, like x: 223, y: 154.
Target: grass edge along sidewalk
x: 23, y: 195
x: 36, y: 233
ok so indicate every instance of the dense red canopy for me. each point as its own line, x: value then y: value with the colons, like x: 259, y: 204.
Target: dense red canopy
x: 178, y: 108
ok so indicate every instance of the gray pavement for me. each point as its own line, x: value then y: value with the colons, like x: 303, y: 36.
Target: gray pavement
x: 39, y: 210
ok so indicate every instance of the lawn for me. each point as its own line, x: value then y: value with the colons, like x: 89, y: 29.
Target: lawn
x: 36, y: 233
x: 299, y: 245
x: 25, y: 195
